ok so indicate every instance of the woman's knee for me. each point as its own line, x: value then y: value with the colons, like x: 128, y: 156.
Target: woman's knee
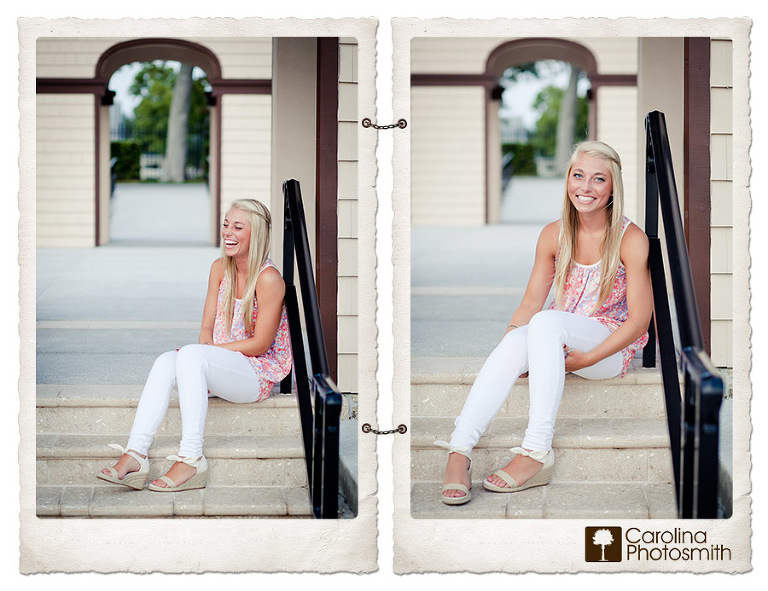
x: 166, y: 362
x: 191, y: 355
x: 547, y: 321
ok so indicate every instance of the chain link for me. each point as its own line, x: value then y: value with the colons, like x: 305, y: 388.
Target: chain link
x: 368, y: 429
x: 401, y: 123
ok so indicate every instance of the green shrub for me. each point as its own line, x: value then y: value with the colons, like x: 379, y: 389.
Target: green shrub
x: 128, y: 154
x: 522, y: 158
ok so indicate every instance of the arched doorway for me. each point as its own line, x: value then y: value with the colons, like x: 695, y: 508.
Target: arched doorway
x: 148, y: 50
x: 159, y: 136
x: 513, y: 54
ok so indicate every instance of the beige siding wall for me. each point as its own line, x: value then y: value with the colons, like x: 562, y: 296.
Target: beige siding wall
x: 76, y: 58
x: 65, y: 161
x: 448, y: 155
x: 347, y: 217
x: 721, y: 185
x: 244, y: 57
x: 617, y: 127
x: 245, y: 148
x: 70, y: 58
x: 468, y: 55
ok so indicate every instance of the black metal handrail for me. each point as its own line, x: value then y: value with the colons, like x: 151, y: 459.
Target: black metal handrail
x: 693, y: 419
x: 320, y: 429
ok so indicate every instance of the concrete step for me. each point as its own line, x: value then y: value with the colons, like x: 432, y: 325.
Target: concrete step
x: 611, y: 446
x: 586, y: 450
x: 95, y: 409
x: 236, y: 460
x: 581, y: 398
x: 212, y: 501
x: 255, y: 454
x: 571, y: 500
x: 440, y: 385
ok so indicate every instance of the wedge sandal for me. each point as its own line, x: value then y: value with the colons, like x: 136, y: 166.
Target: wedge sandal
x: 467, y: 496
x: 541, y: 478
x: 136, y: 479
x: 198, y: 480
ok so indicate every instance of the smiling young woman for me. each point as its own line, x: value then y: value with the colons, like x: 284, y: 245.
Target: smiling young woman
x: 597, y: 261
x: 243, y: 350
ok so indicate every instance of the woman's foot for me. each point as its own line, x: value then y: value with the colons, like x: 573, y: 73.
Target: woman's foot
x: 521, y: 469
x: 179, y: 473
x: 457, y: 471
x: 125, y: 465
x: 526, y: 470
x: 131, y: 470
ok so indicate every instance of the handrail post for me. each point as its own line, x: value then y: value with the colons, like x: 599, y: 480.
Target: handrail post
x: 320, y: 430
x: 693, y: 419
x: 652, y: 231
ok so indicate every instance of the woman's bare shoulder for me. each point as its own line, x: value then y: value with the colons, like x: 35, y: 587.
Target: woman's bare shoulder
x: 634, y: 244
x: 217, y: 269
x: 550, y: 234
x: 634, y: 236
x: 270, y: 277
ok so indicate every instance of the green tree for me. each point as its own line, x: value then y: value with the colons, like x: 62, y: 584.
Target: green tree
x: 547, y: 104
x: 155, y: 83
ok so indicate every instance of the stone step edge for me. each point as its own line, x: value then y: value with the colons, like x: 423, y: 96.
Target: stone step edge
x: 65, y: 446
x: 127, y: 396
x: 655, y: 444
x: 464, y: 370
x: 593, y: 433
x: 100, y: 501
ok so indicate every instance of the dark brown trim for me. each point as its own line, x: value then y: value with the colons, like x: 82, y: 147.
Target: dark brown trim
x: 327, y: 188
x: 97, y: 164
x: 696, y: 166
x: 540, y: 48
x: 217, y: 178
x: 97, y: 86
x: 149, y: 49
x: 236, y: 86
x: 485, y: 80
x: 613, y: 80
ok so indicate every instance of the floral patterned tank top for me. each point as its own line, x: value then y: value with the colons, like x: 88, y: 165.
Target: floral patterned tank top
x: 273, y: 365
x: 581, y: 292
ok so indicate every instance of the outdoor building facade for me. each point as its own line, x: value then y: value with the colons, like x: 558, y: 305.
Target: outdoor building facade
x: 280, y: 108
x: 456, y: 137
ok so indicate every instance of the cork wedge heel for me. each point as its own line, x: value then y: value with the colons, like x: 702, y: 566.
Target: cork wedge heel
x: 136, y: 479
x: 541, y: 478
x: 198, y: 480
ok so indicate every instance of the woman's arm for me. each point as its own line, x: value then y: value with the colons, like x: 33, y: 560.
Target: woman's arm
x: 634, y: 256
x: 209, y: 310
x: 270, y: 293
x: 541, y: 278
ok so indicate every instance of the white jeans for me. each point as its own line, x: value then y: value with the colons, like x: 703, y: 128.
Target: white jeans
x: 193, y: 370
x: 536, y: 348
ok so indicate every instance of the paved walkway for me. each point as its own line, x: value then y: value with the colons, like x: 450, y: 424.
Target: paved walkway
x: 467, y: 281
x: 104, y: 314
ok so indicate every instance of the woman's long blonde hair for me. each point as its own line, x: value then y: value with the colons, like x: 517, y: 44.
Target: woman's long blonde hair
x: 258, y: 251
x: 611, y: 243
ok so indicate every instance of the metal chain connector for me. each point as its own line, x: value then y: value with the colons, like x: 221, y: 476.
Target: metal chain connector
x: 368, y: 429
x: 401, y: 123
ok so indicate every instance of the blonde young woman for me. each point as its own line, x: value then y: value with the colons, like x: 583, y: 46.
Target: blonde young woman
x: 597, y: 261
x: 243, y: 351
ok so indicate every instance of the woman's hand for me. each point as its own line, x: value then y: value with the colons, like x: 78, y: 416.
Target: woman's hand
x: 575, y: 359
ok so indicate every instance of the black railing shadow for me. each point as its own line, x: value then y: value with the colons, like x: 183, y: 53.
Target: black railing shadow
x: 693, y: 419
x: 319, y: 428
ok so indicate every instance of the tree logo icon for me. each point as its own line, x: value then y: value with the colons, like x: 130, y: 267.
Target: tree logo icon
x: 602, y: 544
